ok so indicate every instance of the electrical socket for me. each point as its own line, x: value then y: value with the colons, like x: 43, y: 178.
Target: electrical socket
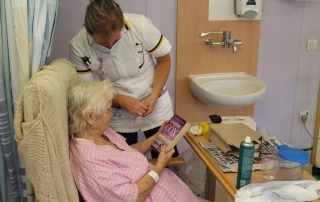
x: 312, y: 44
x: 304, y: 115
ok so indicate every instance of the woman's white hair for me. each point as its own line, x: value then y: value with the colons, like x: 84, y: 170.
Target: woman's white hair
x: 87, y: 97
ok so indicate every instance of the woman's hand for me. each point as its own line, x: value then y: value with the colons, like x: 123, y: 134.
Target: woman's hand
x: 132, y: 105
x: 163, y: 158
x: 146, y: 183
x: 145, y: 146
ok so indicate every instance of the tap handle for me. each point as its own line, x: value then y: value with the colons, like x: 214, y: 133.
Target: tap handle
x: 237, y: 42
x: 204, y: 34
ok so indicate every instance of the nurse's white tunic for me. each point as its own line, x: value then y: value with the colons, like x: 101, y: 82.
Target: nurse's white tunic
x: 129, y: 66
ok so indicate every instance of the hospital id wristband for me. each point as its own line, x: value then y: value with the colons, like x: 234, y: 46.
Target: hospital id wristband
x: 154, y: 175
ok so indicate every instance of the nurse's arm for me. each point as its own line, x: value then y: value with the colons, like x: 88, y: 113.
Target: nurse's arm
x: 161, y: 74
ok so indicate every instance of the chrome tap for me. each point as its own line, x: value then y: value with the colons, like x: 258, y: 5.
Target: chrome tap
x: 234, y: 43
x: 226, y: 39
x: 226, y: 42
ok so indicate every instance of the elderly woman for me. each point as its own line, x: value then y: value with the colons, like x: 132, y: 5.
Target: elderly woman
x: 104, y: 166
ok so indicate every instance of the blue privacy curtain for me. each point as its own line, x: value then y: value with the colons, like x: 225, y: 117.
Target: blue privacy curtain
x: 26, y: 35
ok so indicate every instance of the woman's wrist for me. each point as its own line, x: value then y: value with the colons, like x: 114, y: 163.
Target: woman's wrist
x: 158, y: 168
x: 154, y: 175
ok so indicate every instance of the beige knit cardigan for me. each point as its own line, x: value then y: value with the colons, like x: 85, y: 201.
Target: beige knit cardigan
x: 41, y: 130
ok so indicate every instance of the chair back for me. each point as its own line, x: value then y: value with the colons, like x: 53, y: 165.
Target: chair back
x: 41, y: 131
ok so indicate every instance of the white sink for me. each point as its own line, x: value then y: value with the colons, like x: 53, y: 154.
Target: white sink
x: 231, y: 89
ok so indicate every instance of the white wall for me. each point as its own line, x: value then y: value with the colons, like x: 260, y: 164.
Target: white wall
x: 291, y: 73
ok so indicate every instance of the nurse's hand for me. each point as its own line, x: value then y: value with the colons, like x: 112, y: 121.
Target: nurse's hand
x: 150, y: 102
x: 132, y: 105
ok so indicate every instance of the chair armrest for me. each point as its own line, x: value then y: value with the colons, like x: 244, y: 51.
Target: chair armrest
x: 176, y: 161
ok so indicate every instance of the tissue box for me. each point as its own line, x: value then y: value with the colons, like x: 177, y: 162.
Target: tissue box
x: 227, y: 137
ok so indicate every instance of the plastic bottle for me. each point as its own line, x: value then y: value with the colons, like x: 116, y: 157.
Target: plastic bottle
x: 245, y: 162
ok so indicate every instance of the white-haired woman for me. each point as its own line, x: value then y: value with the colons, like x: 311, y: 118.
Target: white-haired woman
x: 104, y: 166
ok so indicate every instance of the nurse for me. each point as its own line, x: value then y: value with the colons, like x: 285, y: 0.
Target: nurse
x: 131, y: 52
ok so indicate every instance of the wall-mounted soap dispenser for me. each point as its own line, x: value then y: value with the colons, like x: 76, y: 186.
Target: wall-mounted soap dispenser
x: 247, y: 8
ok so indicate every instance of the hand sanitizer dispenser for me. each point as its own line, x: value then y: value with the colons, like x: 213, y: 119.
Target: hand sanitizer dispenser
x: 247, y: 8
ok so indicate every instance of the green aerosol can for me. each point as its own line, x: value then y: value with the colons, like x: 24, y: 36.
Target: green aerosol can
x: 245, y: 162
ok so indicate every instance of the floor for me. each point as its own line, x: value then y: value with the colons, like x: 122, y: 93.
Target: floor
x: 221, y: 194
x: 193, y: 174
